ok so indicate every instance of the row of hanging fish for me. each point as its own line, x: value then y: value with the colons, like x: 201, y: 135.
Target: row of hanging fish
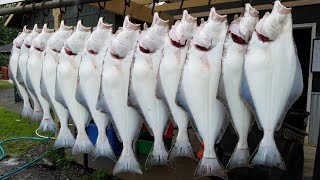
x: 207, y: 75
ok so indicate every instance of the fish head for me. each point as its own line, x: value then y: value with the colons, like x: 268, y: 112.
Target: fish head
x: 274, y: 23
x: 75, y: 43
x: 98, y: 37
x: 242, y: 28
x: 58, y: 39
x: 125, y: 40
x: 21, y: 36
x: 29, y: 38
x: 151, y: 39
x: 212, y: 32
x: 41, y: 40
x: 183, y: 30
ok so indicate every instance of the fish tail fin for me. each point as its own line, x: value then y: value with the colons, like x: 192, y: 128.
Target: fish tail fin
x: 65, y: 138
x: 127, y: 163
x: 182, y: 147
x: 158, y: 155
x: 26, y: 111
x: 47, y: 124
x: 267, y: 154
x: 103, y: 147
x: 36, y: 116
x: 239, y: 158
x: 210, y: 167
x: 82, y: 144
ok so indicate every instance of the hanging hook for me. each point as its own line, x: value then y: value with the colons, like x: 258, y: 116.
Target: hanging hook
x: 43, y: 13
x: 126, y: 3
x: 153, y: 5
x: 101, y: 7
x: 34, y: 13
x: 209, y: 4
x: 62, y: 12
x: 182, y: 1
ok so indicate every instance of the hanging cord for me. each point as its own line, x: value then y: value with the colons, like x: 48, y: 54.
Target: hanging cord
x: 126, y: 3
x: 43, y: 13
x: 27, y: 164
x: 209, y: 4
x: 34, y: 13
x: 62, y: 12
x: 181, y: 4
x: 79, y: 8
x: 101, y: 7
x: 153, y: 5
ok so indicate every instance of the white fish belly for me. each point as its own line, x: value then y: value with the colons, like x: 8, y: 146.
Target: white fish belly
x: 170, y: 74
x: 241, y: 116
x: 144, y: 80
x: 199, y: 84
x: 270, y: 74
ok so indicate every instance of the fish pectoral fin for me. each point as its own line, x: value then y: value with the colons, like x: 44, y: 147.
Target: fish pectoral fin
x: 43, y: 90
x: 159, y: 89
x: 80, y: 97
x: 29, y: 84
x: 58, y: 95
x: 19, y: 76
x: 221, y: 95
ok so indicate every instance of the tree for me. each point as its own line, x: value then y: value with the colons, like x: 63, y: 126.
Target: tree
x: 6, y: 37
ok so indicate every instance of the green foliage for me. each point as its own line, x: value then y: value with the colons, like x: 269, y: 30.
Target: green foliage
x: 5, y: 85
x: 10, y: 128
x: 6, y: 37
x: 99, y: 175
x: 59, y: 159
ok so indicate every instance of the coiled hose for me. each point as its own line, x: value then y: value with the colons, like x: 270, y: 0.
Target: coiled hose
x: 3, y: 153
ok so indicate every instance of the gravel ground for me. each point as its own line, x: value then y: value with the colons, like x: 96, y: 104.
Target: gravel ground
x: 42, y: 170
x: 7, y: 100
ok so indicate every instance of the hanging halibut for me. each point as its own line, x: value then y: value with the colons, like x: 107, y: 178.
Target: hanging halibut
x: 113, y: 96
x: 89, y: 83
x: 198, y: 90
x: 48, y: 82
x: 22, y: 76
x: 272, y: 79
x: 235, y: 46
x: 142, y: 91
x: 66, y: 84
x: 13, y: 66
x: 174, y: 54
x: 34, y: 69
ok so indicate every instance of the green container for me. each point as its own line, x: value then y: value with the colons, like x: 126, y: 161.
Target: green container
x: 144, y: 146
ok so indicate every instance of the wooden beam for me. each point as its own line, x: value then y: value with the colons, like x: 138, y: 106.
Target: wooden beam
x: 143, y: 2
x: 11, y: 15
x: 190, y: 4
x: 258, y: 7
x: 136, y: 11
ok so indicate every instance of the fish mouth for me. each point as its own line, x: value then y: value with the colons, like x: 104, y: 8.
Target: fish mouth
x: 201, y: 48
x: 238, y: 39
x: 177, y: 44
x: 92, y: 52
x: 116, y: 56
x: 69, y: 52
x: 262, y: 37
x: 57, y: 51
x: 27, y: 46
x: 17, y: 46
x: 38, y: 49
x: 144, y: 50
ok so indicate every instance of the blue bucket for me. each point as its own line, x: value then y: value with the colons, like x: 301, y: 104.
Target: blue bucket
x: 116, y: 145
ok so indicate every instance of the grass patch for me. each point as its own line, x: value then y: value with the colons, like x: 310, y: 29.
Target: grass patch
x: 5, y: 85
x: 60, y: 159
x: 10, y: 128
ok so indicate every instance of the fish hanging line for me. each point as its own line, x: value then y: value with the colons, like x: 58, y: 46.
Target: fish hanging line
x: 43, y: 13
x: 126, y: 3
x: 62, y: 12
x: 101, y: 7
x: 27, y: 164
x: 79, y: 10
x: 153, y: 5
